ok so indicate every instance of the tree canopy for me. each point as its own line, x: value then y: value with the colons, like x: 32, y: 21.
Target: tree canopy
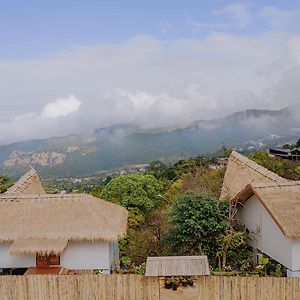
x: 282, y: 167
x: 197, y: 222
x: 291, y: 146
x: 5, y: 183
x: 201, y: 225
x: 138, y: 193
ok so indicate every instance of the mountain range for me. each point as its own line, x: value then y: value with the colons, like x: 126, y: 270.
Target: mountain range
x: 118, y: 145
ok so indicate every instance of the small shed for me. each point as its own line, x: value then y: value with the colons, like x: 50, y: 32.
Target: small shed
x: 177, y: 266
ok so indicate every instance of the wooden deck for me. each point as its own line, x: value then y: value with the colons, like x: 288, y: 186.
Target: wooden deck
x: 44, y: 271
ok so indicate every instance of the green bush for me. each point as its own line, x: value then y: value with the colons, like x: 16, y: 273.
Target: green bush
x: 200, y: 225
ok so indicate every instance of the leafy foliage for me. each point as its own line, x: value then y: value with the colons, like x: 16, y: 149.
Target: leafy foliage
x: 292, y: 146
x: 203, y: 181
x: 143, y: 241
x: 197, y: 223
x: 97, y: 190
x: 5, y: 183
x: 161, y: 171
x: 282, y: 167
x: 200, y: 225
x: 138, y: 193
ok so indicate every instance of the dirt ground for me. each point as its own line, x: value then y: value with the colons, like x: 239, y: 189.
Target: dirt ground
x: 182, y: 293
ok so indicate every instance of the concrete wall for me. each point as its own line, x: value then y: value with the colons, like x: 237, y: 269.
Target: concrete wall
x: 268, y: 238
x: 85, y: 255
x: 12, y: 261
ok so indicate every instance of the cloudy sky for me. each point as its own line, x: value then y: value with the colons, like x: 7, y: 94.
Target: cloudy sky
x: 68, y: 66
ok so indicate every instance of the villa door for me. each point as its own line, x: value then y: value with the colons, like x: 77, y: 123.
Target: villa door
x: 47, y: 260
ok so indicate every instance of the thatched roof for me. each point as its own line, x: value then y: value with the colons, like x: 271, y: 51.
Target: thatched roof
x: 177, y: 266
x: 29, y: 183
x: 42, y: 247
x: 242, y: 171
x: 282, y: 201
x: 280, y: 197
x: 75, y: 217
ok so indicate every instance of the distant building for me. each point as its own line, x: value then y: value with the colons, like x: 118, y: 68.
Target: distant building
x: 291, y: 154
x: 220, y: 163
x: 65, y: 231
x: 269, y: 206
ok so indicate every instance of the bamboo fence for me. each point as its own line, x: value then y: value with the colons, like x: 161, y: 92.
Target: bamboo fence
x: 135, y: 287
x: 248, y: 288
x: 65, y: 287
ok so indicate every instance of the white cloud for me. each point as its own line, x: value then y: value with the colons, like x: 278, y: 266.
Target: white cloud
x: 25, y: 116
x: 236, y: 12
x: 279, y: 19
x: 61, y: 107
x: 147, y: 81
x: 294, y: 48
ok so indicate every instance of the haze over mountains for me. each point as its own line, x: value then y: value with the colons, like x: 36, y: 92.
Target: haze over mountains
x: 119, y: 145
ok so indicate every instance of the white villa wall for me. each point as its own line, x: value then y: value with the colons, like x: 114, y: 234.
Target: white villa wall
x: 268, y: 238
x: 250, y: 215
x: 77, y: 255
x: 85, y: 255
x: 296, y: 255
x: 12, y: 261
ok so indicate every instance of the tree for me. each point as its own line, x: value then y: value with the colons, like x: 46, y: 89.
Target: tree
x: 138, y: 193
x: 5, y: 183
x: 298, y: 143
x: 226, y: 151
x: 205, y: 225
x: 144, y: 241
x: 197, y: 223
x: 282, y: 167
x: 161, y: 171
x: 190, y: 165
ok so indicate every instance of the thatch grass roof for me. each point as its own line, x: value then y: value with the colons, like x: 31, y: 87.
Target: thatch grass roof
x: 75, y: 217
x: 280, y: 197
x: 242, y: 171
x: 177, y: 266
x: 42, y: 247
x: 282, y: 201
x: 29, y: 183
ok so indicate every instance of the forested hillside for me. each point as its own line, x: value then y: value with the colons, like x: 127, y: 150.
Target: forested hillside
x: 108, y: 148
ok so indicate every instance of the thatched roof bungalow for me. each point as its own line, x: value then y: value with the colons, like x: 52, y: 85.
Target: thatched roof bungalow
x: 29, y: 183
x: 177, y: 266
x: 77, y: 231
x: 269, y: 206
x: 242, y: 171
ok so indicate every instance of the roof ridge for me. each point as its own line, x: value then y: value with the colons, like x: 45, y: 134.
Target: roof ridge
x: 283, y: 184
x: 30, y: 181
x: 258, y: 168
